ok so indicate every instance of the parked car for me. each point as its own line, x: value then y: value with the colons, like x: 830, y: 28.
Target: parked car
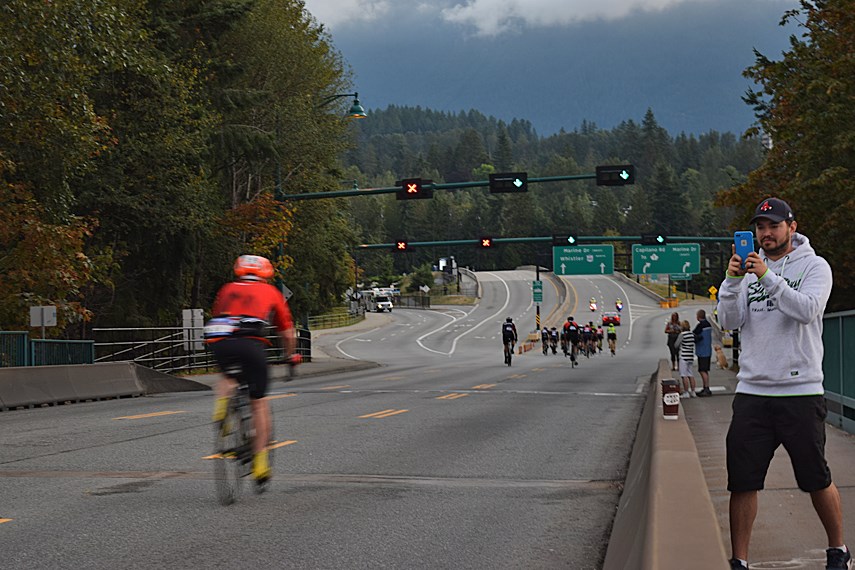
x: 609, y: 318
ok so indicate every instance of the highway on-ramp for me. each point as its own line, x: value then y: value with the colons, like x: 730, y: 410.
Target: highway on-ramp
x: 443, y: 457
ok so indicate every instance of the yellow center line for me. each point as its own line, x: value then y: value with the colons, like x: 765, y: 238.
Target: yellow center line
x: 452, y: 396
x: 152, y: 415
x: 277, y: 396
x: 538, y: 369
x: 390, y: 414
x: 336, y: 387
x: 390, y: 378
x: 5, y: 520
x: 273, y: 445
x: 371, y: 415
x: 517, y: 376
x: 383, y: 414
x: 482, y: 386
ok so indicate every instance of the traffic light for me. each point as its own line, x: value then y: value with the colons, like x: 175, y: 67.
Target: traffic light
x: 653, y: 239
x: 402, y: 245
x: 617, y: 175
x: 564, y: 239
x: 509, y: 182
x: 414, y: 189
x: 485, y: 243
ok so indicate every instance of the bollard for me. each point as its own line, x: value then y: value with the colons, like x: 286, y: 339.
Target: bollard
x: 670, y: 399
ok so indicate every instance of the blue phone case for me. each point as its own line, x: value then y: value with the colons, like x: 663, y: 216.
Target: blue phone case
x: 744, y: 242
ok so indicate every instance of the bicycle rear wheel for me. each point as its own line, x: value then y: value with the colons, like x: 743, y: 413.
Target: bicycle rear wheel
x: 228, y: 446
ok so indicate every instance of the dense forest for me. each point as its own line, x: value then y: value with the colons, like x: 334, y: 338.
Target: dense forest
x: 145, y: 144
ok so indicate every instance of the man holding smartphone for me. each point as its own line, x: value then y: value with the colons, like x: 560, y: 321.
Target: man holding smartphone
x: 777, y: 299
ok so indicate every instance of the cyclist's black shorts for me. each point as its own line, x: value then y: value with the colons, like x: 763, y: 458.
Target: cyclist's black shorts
x: 508, y: 339
x: 249, y: 354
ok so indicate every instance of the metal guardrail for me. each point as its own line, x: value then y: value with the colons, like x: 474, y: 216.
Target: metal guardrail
x: 14, y: 348
x: 53, y: 352
x: 334, y: 320
x: 413, y: 302
x: 17, y: 349
x: 838, y: 366
x: 173, y: 349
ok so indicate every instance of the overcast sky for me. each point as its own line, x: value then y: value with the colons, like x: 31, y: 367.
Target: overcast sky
x: 487, y: 17
x: 559, y: 62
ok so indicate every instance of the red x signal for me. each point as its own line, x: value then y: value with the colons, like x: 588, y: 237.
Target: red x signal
x: 486, y: 242
x: 412, y: 188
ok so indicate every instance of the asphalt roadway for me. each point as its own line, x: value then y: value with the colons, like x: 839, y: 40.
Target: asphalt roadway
x: 404, y: 444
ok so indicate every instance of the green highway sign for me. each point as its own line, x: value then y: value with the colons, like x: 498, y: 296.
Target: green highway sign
x: 670, y: 258
x: 583, y: 260
x: 537, y: 291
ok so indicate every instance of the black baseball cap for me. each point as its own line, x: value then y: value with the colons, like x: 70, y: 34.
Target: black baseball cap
x: 773, y: 209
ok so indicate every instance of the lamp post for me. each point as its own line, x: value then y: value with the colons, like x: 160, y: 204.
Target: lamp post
x: 356, y: 111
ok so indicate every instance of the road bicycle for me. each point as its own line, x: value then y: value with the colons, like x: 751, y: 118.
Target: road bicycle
x: 233, y: 442
x: 509, y: 351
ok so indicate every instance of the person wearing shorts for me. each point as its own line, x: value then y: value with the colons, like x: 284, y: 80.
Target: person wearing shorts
x: 236, y: 336
x: 686, y: 348
x: 777, y: 299
x: 703, y: 350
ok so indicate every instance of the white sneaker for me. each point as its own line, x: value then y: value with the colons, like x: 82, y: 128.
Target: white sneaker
x: 692, y: 394
x: 684, y: 395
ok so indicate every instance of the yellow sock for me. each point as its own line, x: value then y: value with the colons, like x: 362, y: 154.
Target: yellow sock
x: 260, y: 466
x: 220, y: 405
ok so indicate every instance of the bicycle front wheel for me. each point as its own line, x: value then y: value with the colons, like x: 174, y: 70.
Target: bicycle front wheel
x: 227, y: 461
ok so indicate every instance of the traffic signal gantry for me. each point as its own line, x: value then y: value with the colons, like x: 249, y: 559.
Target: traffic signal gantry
x: 504, y: 182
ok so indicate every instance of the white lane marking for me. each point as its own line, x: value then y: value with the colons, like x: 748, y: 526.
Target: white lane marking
x: 339, y: 343
x: 461, y: 335
x: 628, y: 307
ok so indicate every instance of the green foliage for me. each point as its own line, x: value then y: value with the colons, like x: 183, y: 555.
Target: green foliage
x: 805, y: 103
x: 420, y: 277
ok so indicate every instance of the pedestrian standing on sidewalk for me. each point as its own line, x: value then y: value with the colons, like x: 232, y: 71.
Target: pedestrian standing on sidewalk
x: 777, y: 300
x: 673, y: 330
x: 686, y: 346
x: 703, y: 350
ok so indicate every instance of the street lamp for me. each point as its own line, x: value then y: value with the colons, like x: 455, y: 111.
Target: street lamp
x: 357, y: 111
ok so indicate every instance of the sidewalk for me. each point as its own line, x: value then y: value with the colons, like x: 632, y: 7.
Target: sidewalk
x: 787, y: 533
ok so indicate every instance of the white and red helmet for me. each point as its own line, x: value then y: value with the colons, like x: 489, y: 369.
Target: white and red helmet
x: 253, y: 267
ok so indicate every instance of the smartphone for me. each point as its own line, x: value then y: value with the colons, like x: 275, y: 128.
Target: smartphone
x: 744, y: 242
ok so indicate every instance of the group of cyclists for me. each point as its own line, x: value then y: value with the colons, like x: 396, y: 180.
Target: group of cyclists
x: 575, y: 339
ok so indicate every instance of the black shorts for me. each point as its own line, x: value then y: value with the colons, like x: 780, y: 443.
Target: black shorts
x: 249, y: 355
x: 703, y: 364
x: 760, y: 424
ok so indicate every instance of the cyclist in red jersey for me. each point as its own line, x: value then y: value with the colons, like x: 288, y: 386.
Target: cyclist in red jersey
x: 242, y: 311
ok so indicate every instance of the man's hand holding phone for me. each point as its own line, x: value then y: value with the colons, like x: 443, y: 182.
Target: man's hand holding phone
x: 745, y: 259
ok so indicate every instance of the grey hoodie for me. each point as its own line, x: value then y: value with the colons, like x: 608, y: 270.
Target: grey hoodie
x: 780, y: 322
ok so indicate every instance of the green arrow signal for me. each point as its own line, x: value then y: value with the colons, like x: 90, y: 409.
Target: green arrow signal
x: 571, y: 240
x: 624, y: 174
x: 660, y: 239
x: 518, y: 183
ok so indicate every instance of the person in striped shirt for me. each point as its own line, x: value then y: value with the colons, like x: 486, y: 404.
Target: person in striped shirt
x: 686, y: 346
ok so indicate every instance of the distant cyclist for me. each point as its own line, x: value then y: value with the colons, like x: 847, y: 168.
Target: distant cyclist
x: 544, y: 339
x: 587, y: 335
x: 235, y: 335
x: 573, y: 337
x: 619, y: 305
x: 611, y: 334
x: 509, y: 338
x: 599, y: 338
x: 553, y: 340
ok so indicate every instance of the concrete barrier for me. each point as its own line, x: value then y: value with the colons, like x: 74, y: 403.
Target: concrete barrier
x: 27, y: 386
x: 665, y: 519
